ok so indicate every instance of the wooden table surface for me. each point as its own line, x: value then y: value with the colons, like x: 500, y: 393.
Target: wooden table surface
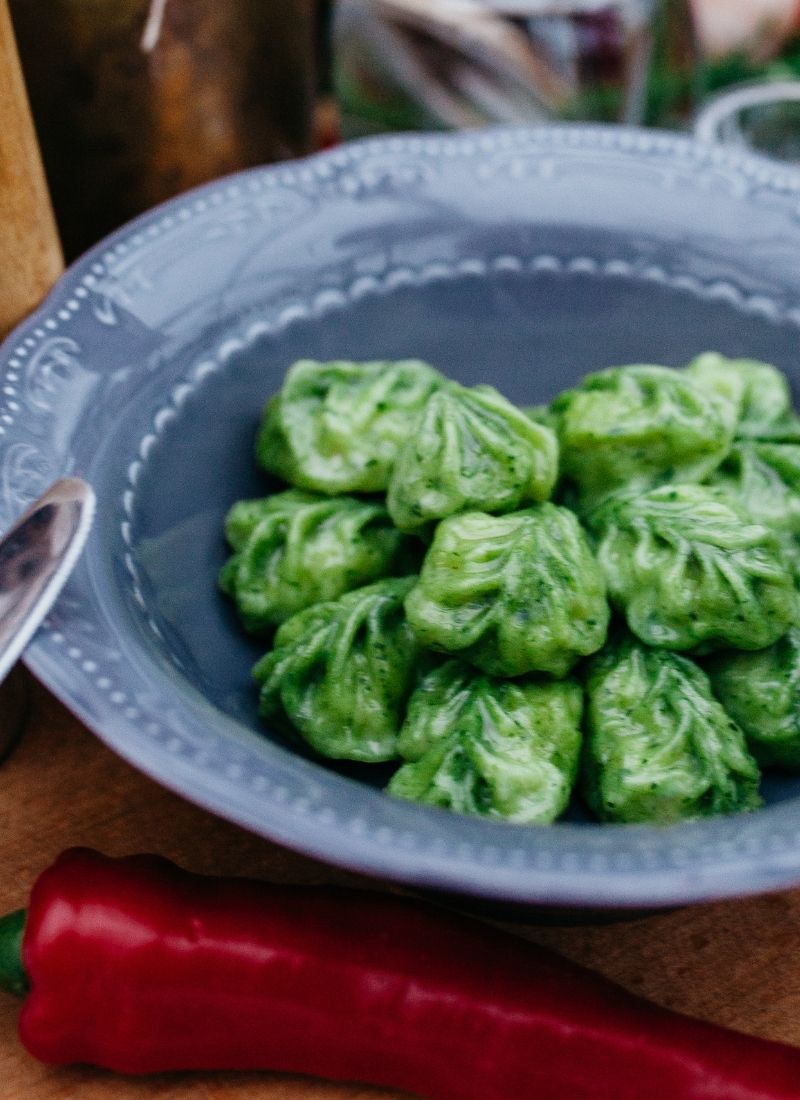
x: 735, y: 962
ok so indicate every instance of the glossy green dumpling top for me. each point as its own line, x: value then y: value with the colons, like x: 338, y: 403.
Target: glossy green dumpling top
x: 504, y: 749
x: 294, y: 549
x: 639, y: 426
x: 765, y: 479
x: 337, y: 427
x: 761, y: 692
x: 759, y: 392
x: 689, y: 568
x: 511, y: 594
x: 470, y: 450
x: 341, y: 672
x: 659, y: 747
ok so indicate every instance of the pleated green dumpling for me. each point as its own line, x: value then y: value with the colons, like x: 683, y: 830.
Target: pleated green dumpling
x: 340, y: 672
x: 638, y: 426
x: 659, y: 747
x: 690, y: 569
x: 759, y: 392
x: 337, y: 427
x: 295, y: 549
x: 499, y: 748
x: 761, y: 692
x: 511, y: 594
x: 764, y: 478
x: 470, y: 450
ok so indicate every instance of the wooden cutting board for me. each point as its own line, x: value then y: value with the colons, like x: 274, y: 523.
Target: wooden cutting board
x: 736, y: 962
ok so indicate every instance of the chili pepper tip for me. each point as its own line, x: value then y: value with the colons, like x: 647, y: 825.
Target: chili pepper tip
x: 13, y: 978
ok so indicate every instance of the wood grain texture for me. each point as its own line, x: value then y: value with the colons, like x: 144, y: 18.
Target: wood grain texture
x: 734, y: 962
x: 30, y: 253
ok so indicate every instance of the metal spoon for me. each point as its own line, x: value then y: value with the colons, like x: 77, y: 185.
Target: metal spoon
x: 36, y: 556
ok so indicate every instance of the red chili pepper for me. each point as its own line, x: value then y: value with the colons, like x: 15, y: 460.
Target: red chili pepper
x: 138, y: 966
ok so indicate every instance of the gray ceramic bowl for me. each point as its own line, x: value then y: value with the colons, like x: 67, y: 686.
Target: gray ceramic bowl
x: 521, y: 257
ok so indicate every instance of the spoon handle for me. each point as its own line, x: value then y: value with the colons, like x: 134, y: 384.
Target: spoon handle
x: 36, y: 556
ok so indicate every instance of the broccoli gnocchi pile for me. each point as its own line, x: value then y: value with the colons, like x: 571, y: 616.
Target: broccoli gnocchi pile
x: 599, y: 595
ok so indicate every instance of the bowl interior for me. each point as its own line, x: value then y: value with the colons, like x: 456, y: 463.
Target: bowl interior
x: 530, y: 334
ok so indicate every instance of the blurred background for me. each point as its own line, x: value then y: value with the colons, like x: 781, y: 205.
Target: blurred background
x: 137, y: 100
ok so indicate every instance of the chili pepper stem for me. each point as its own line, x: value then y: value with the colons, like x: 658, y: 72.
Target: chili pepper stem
x: 13, y: 978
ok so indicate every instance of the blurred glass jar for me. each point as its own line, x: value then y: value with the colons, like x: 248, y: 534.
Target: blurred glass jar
x: 751, y: 71
x: 417, y: 64
x: 762, y: 117
x: 137, y: 100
